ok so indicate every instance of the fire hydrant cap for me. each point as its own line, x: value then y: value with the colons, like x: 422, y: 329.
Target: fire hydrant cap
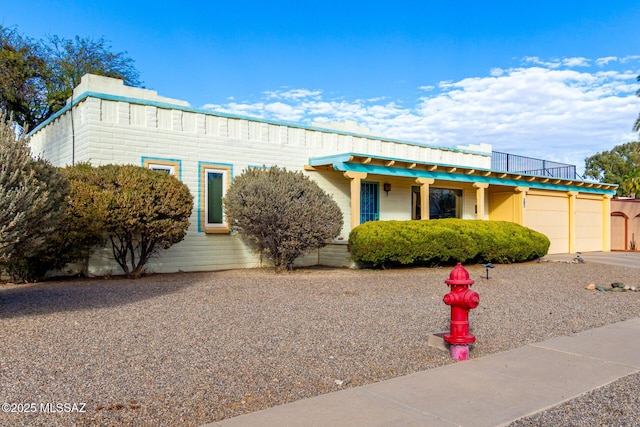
x: 459, y: 276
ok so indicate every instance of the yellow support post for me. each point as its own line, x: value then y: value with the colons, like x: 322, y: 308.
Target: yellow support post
x: 572, y: 220
x: 519, y: 215
x: 480, y: 187
x: 606, y: 223
x: 424, y: 196
x: 356, y: 178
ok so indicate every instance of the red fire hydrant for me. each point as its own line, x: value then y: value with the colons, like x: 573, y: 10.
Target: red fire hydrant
x: 461, y: 299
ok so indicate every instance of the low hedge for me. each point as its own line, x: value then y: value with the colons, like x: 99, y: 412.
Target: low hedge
x: 385, y: 243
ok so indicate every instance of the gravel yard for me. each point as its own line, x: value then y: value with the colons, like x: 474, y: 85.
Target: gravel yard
x: 187, y: 349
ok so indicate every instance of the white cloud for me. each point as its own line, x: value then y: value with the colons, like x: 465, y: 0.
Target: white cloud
x: 294, y: 94
x: 629, y: 58
x: 546, y: 111
x: 576, y: 62
x: 605, y: 60
x: 283, y: 111
x: 377, y: 99
x: 540, y: 112
x: 536, y: 60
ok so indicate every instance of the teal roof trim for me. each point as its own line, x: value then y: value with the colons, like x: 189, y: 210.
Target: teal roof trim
x: 109, y: 97
x: 413, y: 173
x: 346, y: 157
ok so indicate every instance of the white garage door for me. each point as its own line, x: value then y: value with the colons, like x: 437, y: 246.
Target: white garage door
x: 549, y: 214
x: 588, y: 224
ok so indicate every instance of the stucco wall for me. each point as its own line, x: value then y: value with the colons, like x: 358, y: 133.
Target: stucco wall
x: 625, y: 224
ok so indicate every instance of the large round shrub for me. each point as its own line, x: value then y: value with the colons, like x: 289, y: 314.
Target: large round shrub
x: 32, y: 196
x: 380, y: 243
x: 139, y: 210
x: 281, y: 214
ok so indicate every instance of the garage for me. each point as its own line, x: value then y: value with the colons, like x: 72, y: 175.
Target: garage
x: 588, y: 223
x: 548, y: 213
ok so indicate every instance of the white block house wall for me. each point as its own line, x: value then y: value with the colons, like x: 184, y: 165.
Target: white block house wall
x: 114, y: 123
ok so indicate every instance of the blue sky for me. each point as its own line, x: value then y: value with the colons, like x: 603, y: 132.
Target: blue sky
x: 544, y: 79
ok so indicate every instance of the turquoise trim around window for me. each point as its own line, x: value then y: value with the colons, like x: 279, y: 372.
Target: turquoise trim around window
x: 145, y: 160
x: 200, y: 208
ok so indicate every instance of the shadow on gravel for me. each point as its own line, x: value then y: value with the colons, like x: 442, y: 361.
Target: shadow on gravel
x: 82, y: 294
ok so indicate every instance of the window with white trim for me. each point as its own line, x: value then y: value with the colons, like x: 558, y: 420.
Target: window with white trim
x: 172, y: 167
x: 214, y: 182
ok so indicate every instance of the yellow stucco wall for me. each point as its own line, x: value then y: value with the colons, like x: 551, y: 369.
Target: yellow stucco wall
x: 502, y: 206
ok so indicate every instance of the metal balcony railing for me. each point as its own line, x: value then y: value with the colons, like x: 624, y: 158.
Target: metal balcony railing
x: 505, y: 162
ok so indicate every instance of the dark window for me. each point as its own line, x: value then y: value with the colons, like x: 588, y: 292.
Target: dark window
x: 215, y: 186
x: 415, y: 202
x: 445, y: 203
x: 215, y: 180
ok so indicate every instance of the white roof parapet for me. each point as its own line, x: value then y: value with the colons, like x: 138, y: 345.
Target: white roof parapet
x: 482, y: 148
x: 112, y: 86
x: 347, y: 126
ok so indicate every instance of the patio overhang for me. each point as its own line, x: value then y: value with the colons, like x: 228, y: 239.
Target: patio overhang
x: 403, y: 168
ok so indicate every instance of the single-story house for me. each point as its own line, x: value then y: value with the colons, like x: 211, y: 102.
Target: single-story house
x: 370, y: 177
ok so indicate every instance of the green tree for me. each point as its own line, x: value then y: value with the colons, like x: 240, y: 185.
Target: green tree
x: 23, y: 73
x: 140, y: 210
x: 621, y: 166
x: 79, y: 232
x: 281, y: 214
x: 636, y: 127
x: 70, y: 59
x: 82, y: 229
x: 32, y: 194
x: 31, y: 262
x: 37, y: 77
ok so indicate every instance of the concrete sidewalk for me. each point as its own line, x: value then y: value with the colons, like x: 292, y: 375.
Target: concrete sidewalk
x: 488, y: 391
